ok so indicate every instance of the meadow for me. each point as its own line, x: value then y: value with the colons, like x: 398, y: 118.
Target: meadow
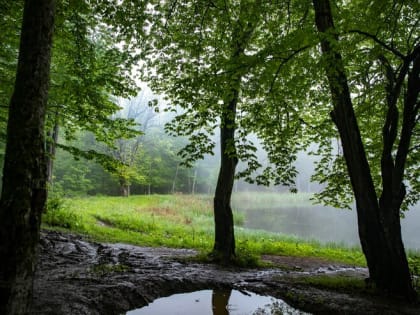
x: 184, y: 221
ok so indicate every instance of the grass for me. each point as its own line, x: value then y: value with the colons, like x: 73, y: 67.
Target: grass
x: 182, y: 221
x: 173, y: 221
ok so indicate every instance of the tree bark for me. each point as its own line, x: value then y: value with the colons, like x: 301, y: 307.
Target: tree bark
x: 24, y: 175
x: 51, y: 149
x: 379, y: 224
x: 224, y: 242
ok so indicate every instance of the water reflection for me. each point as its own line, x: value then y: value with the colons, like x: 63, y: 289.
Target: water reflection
x: 220, y: 301
x: 216, y: 302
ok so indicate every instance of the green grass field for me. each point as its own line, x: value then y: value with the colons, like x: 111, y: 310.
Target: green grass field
x: 180, y: 221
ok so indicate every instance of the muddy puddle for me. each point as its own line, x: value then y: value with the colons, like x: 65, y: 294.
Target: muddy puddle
x: 80, y: 277
x: 217, y: 302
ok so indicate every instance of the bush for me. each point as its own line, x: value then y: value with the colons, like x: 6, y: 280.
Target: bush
x: 58, y: 214
x: 245, y: 257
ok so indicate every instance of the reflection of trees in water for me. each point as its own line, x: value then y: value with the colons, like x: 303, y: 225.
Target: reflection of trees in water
x: 277, y: 307
x: 220, y: 305
x: 220, y: 301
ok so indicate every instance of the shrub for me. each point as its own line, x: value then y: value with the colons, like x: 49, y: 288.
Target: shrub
x: 58, y: 214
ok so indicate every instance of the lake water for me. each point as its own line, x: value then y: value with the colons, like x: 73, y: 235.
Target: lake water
x: 216, y: 302
x: 325, y: 224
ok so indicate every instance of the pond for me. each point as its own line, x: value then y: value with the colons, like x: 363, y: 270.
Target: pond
x: 324, y: 224
x: 216, y: 302
x: 318, y: 223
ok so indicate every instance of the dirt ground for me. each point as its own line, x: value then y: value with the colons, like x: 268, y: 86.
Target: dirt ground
x: 76, y: 276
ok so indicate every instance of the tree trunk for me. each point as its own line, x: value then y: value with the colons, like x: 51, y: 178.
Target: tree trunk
x: 124, y: 188
x: 175, y: 177
x: 51, y: 149
x: 224, y: 243
x: 379, y: 226
x: 24, y: 175
x: 220, y: 301
x: 194, y: 181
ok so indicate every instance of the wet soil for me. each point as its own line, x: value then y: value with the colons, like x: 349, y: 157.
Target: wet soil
x: 76, y: 276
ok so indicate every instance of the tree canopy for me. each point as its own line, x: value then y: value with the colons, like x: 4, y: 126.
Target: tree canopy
x: 190, y: 61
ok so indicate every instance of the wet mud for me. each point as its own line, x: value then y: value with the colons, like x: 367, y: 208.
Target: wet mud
x: 76, y: 276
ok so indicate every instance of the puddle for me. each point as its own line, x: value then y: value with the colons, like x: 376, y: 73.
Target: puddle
x: 216, y: 302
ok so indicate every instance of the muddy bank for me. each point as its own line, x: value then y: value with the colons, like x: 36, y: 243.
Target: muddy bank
x: 79, y: 277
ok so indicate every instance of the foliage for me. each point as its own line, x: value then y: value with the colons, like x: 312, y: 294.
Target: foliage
x: 75, y: 181
x: 58, y: 214
x: 108, y: 163
x: 414, y: 263
x: 193, y: 62
x: 245, y: 257
x: 87, y: 70
x: 154, y: 166
x: 11, y: 13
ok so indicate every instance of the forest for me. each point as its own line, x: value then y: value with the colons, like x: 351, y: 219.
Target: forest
x: 177, y: 108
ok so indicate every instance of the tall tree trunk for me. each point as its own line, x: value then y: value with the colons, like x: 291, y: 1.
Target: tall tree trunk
x: 175, y: 178
x: 24, y: 175
x: 379, y: 227
x: 52, y: 138
x: 224, y: 242
x: 194, y: 181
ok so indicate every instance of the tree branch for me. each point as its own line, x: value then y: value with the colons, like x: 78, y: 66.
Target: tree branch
x: 285, y: 60
x: 380, y: 42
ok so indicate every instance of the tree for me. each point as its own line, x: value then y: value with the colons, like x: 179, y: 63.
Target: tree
x: 88, y: 72
x: 224, y: 243
x: 128, y: 151
x: 87, y: 68
x: 214, y: 61
x: 24, y: 176
x: 378, y: 209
